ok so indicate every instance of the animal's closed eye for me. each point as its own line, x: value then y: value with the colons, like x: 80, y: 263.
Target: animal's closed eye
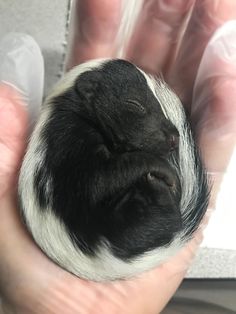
x: 154, y: 177
x: 136, y: 104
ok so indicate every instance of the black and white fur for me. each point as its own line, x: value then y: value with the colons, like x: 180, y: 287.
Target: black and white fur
x: 112, y: 183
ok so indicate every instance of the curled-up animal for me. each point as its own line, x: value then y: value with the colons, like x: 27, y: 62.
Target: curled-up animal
x: 112, y: 183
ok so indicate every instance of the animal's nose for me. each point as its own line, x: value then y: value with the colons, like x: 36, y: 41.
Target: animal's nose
x: 173, y: 141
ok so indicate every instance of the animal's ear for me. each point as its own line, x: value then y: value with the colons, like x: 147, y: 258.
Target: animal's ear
x: 87, y: 85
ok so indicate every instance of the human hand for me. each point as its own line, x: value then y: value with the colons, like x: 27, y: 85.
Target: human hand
x: 39, y: 286
x: 29, y: 281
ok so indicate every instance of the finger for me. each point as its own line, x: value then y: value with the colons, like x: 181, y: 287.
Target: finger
x: 207, y: 16
x: 214, y: 110
x: 94, y: 26
x: 156, y: 34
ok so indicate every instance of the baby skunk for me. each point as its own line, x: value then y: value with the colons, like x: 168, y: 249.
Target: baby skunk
x: 112, y: 183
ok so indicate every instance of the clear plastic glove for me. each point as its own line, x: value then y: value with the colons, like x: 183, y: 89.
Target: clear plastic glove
x: 22, y: 66
x: 29, y: 281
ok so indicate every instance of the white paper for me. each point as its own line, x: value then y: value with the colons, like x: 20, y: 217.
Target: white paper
x: 221, y: 230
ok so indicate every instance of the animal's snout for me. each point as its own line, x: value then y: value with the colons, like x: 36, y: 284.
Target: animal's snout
x: 173, y: 141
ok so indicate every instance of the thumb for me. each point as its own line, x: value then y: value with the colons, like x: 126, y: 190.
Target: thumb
x: 21, y: 88
x: 214, y: 99
x: 215, y: 114
x: 214, y: 110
